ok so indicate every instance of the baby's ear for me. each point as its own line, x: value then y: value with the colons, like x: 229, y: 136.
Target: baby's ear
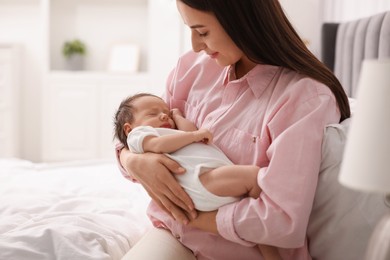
x: 127, y: 128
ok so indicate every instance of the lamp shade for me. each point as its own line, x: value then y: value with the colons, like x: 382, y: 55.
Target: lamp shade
x: 366, y: 162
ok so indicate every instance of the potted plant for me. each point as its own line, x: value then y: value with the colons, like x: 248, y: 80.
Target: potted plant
x: 74, y: 52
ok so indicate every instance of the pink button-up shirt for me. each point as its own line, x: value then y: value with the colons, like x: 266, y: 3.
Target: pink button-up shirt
x: 272, y: 117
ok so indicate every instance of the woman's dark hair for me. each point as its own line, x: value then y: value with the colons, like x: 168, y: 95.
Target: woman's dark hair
x: 125, y: 114
x: 262, y: 31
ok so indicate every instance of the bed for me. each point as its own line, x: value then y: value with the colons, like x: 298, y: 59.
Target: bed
x: 342, y: 219
x: 76, y: 210
x: 346, y: 45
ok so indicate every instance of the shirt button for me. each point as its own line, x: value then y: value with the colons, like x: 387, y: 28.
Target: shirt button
x: 177, y: 236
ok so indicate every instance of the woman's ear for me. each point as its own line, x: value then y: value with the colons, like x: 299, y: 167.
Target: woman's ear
x: 127, y: 128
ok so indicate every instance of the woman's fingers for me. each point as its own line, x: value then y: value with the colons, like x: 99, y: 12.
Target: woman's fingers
x: 165, y: 203
x: 176, y: 212
x: 155, y: 172
x: 172, y: 165
x: 176, y: 200
x: 177, y: 195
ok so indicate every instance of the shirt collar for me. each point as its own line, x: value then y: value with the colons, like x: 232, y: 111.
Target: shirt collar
x: 257, y: 79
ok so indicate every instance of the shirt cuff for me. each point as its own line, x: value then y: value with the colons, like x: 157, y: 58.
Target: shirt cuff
x: 225, y: 225
x: 118, y: 149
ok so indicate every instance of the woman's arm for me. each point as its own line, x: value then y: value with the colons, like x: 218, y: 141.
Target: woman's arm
x: 154, y: 173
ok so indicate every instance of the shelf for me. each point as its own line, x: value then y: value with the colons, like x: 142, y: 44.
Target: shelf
x: 72, y: 110
x: 96, y: 75
x: 9, y: 97
x: 100, y: 24
x: 139, y: 81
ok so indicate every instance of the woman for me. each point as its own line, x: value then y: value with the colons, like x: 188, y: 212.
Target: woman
x: 252, y: 82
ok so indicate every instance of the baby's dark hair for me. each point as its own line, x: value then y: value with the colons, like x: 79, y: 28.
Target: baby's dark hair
x: 125, y: 114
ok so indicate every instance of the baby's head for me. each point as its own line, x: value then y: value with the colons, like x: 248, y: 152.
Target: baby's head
x: 142, y: 109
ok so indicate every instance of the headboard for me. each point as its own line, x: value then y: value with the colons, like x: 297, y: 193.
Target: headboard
x: 346, y: 45
x: 342, y: 219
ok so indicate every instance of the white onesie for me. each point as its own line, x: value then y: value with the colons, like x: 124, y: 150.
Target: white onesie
x: 196, y: 158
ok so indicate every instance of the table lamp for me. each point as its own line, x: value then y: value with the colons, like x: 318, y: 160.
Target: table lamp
x: 366, y: 161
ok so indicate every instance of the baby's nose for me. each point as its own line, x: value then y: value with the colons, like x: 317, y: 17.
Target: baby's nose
x: 164, y: 116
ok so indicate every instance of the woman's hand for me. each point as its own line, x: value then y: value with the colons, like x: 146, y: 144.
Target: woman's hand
x: 154, y: 173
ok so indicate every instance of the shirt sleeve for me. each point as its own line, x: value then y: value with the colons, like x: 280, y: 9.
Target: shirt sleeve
x: 280, y: 215
x: 118, y: 149
x: 136, y: 137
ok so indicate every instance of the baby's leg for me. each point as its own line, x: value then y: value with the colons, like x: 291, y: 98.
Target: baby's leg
x: 269, y: 252
x: 232, y: 181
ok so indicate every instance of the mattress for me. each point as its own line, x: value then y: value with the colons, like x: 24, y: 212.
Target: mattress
x: 76, y: 210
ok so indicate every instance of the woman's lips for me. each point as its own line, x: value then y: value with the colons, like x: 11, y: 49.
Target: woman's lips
x: 213, y: 55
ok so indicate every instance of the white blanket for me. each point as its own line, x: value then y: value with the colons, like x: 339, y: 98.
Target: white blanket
x: 68, y: 211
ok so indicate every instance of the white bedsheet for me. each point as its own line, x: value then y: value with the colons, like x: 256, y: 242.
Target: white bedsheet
x: 79, y: 210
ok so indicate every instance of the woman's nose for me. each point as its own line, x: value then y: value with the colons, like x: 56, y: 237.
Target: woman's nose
x: 197, y: 43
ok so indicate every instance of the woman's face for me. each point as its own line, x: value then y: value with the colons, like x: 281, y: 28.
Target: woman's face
x: 208, y: 35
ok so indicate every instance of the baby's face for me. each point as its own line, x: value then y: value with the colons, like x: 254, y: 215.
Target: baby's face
x: 152, y: 111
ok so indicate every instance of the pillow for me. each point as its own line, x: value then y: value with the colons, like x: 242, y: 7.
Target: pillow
x: 342, y: 219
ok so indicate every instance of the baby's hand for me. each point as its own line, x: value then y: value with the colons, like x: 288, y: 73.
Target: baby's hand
x: 203, y: 135
x: 176, y: 112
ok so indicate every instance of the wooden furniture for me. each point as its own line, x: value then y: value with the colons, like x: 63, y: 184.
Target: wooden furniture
x: 79, y: 106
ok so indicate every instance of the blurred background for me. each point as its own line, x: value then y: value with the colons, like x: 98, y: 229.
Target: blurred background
x: 59, y: 106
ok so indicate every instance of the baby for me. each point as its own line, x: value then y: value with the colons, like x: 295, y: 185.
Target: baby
x: 144, y: 123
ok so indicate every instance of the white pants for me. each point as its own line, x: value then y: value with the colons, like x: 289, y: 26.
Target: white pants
x: 159, y: 244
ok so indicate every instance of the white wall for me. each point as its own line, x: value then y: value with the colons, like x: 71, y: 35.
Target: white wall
x: 347, y: 10
x: 71, y: 19
x: 306, y: 17
x: 21, y: 24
